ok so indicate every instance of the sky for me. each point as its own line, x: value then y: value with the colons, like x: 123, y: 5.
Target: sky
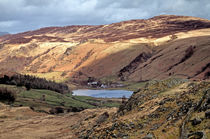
x: 23, y: 15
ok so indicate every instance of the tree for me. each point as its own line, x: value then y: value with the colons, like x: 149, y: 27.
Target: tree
x: 7, y: 95
x: 28, y: 86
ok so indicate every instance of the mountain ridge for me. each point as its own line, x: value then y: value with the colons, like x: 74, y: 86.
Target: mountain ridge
x: 123, y: 51
x: 184, y: 23
x: 3, y: 33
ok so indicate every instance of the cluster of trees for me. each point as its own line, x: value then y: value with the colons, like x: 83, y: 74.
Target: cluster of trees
x: 34, y: 82
x: 7, y: 95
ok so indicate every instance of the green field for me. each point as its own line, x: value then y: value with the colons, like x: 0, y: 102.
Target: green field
x: 34, y: 98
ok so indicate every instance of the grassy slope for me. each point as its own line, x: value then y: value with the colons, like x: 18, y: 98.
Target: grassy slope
x: 55, y: 76
x: 34, y: 98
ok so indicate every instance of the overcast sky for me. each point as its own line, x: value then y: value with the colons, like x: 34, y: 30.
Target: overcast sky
x: 22, y: 15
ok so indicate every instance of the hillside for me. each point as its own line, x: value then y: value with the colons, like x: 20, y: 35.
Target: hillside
x: 48, y: 101
x: 166, y: 109
x: 22, y: 122
x: 135, y: 50
x: 3, y: 33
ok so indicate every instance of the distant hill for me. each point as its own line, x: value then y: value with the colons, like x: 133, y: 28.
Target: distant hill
x: 3, y: 33
x: 136, y: 50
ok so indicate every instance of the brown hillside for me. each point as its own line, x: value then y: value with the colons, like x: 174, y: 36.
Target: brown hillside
x: 135, y: 50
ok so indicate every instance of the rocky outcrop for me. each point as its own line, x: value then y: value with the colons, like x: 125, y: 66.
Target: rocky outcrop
x: 184, y: 134
x: 162, y: 109
x: 131, y: 67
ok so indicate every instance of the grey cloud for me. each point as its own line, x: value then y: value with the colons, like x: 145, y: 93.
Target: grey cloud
x: 38, y: 2
x: 23, y: 15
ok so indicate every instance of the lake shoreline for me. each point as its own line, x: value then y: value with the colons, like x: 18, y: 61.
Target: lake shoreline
x: 102, y: 93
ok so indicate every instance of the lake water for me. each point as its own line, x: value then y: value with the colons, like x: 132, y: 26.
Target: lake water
x: 103, y: 93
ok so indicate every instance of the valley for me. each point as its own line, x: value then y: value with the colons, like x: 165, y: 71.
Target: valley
x: 161, y: 65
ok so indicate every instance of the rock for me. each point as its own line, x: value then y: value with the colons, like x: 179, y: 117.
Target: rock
x: 115, y: 125
x: 205, y: 107
x: 113, y: 135
x: 75, y: 109
x: 155, y: 126
x: 88, y: 133
x: 121, y: 135
x: 56, y: 110
x: 112, y: 128
x: 208, y: 106
x: 149, y: 136
x: 162, y: 102
x: 162, y: 109
x: 196, y: 135
x: 171, y: 115
x: 154, y: 96
x: 32, y: 108
x: 196, y: 121
x: 169, y: 118
x: 163, y: 130
x: 102, y: 118
x: 207, y: 114
x: 126, y: 126
x: 107, y: 131
x: 140, y: 126
x: 141, y: 132
x: 208, y: 100
x: 185, y: 107
x: 132, y: 125
x: 141, y: 108
x: 180, y: 113
x: 154, y: 116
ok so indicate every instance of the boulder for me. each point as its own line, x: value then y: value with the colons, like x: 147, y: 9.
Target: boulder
x: 56, y: 110
x: 207, y: 114
x: 102, y: 118
x: 149, y: 136
x: 75, y: 109
x: 196, y: 135
x: 196, y: 121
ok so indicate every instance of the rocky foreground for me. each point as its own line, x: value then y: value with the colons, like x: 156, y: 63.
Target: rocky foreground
x: 172, y: 108
x: 166, y: 109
